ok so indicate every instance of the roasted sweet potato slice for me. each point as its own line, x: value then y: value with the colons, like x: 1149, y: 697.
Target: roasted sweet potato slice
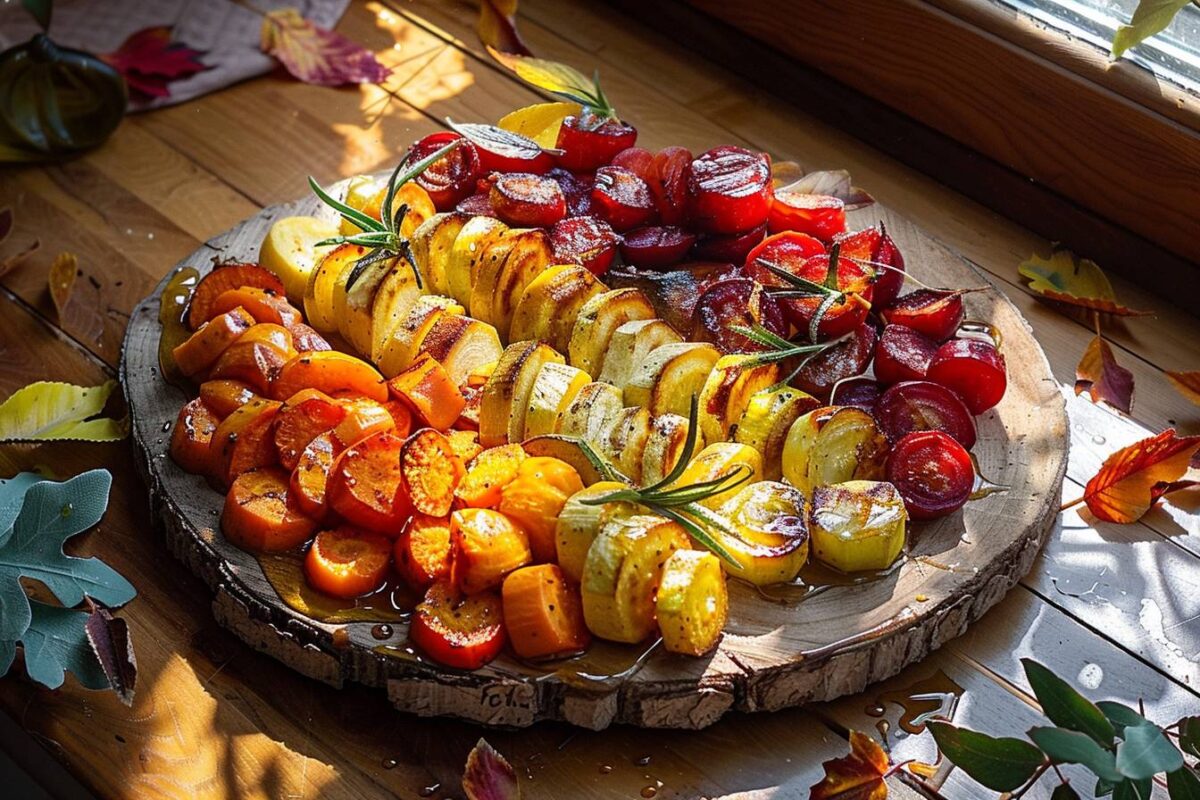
x: 202, y: 349
x: 243, y: 441
x: 305, y: 415
x: 422, y: 551
x: 488, y: 474
x: 257, y: 516
x: 363, y: 418
x: 364, y: 485
x: 223, y: 396
x: 311, y: 476
x: 430, y: 472
x: 465, y: 444
x: 192, y: 436
x: 263, y: 304
x: 333, y: 373
x: 346, y: 563
x: 256, y: 357
x: 486, y: 547
x: 428, y: 390
x: 222, y: 279
x: 307, y: 340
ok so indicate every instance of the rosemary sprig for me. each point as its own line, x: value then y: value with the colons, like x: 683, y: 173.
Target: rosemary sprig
x: 681, y: 504
x: 828, y: 291
x: 783, y: 349
x: 382, y: 236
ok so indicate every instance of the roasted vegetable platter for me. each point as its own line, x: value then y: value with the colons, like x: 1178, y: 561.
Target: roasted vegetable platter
x: 571, y: 430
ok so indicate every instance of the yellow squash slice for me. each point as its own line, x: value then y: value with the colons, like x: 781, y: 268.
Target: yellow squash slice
x: 770, y: 536
x: 592, y: 414
x: 579, y: 523
x: 693, y: 602
x: 431, y: 245
x: 598, y: 319
x: 290, y: 251
x: 555, y: 387
x: 550, y: 304
x: 505, y: 400
x: 318, y: 295
x: 407, y: 338
x: 717, y: 460
x: 472, y: 241
x: 664, y: 446
x: 669, y: 376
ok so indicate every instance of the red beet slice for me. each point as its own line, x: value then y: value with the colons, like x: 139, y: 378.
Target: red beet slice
x: 937, y: 313
x: 924, y: 406
x: 577, y: 189
x: 477, y: 205
x: 733, y: 247
x: 902, y: 354
x: 819, y: 215
x: 843, y: 360
x: 450, y: 179
x: 846, y: 314
x: 729, y: 190
x: 672, y: 167
x: 973, y: 370
x: 587, y: 241
x: 736, y: 301
x: 622, y: 199
x: 875, y: 248
x: 656, y: 246
x: 675, y: 292
x: 528, y: 201
x: 856, y: 392
x: 588, y: 143
x: 637, y: 160
x: 932, y: 472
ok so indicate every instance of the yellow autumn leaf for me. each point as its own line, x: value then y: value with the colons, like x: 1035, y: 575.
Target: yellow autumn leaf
x: 49, y: 410
x: 557, y: 78
x: 1078, y: 281
x: 539, y: 122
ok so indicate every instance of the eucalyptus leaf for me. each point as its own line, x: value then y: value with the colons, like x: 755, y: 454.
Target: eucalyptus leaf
x: 1133, y: 790
x: 1000, y: 764
x: 1189, y: 735
x: 1066, y: 707
x: 1072, y: 747
x: 56, y: 641
x: 52, y: 513
x: 1146, y: 751
x: 1064, y: 792
x: 1120, y: 715
x: 1183, y: 784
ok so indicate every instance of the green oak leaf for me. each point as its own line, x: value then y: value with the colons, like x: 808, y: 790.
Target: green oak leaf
x: 1066, y: 707
x: 1134, y: 790
x: 1072, y: 747
x: 50, y: 514
x: 1189, y: 735
x: 1145, y: 752
x: 1120, y: 715
x: 56, y: 642
x: 1150, y: 17
x: 1002, y: 764
x: 12, y: 495
x: 1183, y: 784
x: 1064, y: 792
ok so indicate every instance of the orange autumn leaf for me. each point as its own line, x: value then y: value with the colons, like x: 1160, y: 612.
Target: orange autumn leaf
x: 78, y: 298
x: 1066, y: 278
x: 1124, y: 488
x: 7, y: 222
x: 497, y: 27
x: 489, y: 776
x: 1103, y: 378
x: 316, y: 55
x: 1187, y: 384
x: 858, y: 776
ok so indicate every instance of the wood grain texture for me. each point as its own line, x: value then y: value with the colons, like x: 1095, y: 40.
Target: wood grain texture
x: 773, y: 656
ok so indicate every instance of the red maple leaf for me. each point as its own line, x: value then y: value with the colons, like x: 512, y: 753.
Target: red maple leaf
x: 1131, y: 479
x: 149, y: 60
x: 858, y: 776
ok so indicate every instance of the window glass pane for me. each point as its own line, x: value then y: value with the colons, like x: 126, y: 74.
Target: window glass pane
x: 1173, y: 54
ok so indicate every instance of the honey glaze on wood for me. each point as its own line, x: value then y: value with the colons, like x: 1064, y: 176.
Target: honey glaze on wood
x: 841, y: 638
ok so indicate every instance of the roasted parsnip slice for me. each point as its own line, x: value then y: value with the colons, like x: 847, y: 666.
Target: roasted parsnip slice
x: 727, y: 391
x: 629, y: 345
x: 555, y: 387
x: 598, y: 319
x: 669, y: 376
x: 505, y: 399
x: 717, y: 460
x: 405, y: 341
x: 318, y: 294
x: 626, y: 442
x: 664, y: 446
x: 550, y: 304
x: 462, y: 344
x: 579, y: 523
x: 474, y: 238
x: 530, y: 256
x: 592, y: 414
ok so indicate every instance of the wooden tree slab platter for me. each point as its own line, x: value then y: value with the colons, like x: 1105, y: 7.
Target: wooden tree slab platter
x: 782, y: 647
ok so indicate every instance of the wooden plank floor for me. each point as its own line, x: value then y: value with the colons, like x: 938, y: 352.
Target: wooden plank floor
x: 1118, y: 606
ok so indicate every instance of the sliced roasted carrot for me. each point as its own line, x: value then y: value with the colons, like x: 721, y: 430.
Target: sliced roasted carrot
x: 426, y: 387
x: 401, y: 415
x: 243, y: 441
x: 263, y: 304
x: 458, y: 631
x: 346, y: 563
x: 307, y: 340
x: 257, y: 516
x: 363, y: 418
x: 430, y: 472
x: 306, y: 415
x: 535, y: 498
x: 488, y: 474
x: 332, y: 372
x: 543, y: 613
x: 225, y: 395
x: 192, y: 437
x: 422, y: 552
x: 310, y: 478
x: 486, y: 546
x: 222, y: 279
x: 364, y: 485
x: 201, y: 350
x: 465, y: 444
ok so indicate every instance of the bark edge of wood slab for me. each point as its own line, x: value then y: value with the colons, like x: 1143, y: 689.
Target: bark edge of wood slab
x: 772, y: 655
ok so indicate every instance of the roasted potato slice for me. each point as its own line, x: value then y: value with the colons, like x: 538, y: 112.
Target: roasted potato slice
x: 669, y: 376
x: 476, y: 236
x: 579, y: 523
x: 629, y: 345
x: 462, y: 344
x: 550, y: 304
x: 431, y: 245
x: 505, y: 400
x: 664, y: 446
x: 592, y: 414
x: 766, y: 420
x: 833, y: 444
x: 290, y: 251
x: 598, y: 319
x: 554, y: 389
x: 857, y: 525
x: 727, y: 391
x: 692, y: 604
x: 717, y: 460
x: 405, y: 341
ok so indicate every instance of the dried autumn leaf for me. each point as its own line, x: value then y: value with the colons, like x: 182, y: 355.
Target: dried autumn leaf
x: 109, y: 638
x: 1187, y: 384
x: 1150, y: 17
x: 858, y: 776
x: 1078, y: 281
x: 1099, y: 374
x: 559, y: 79
x: 833, y: 182
x: 48, y: 410
x: 149, y: 60
x: 540, y: 121
x: 785, y: 172
x: 1123, y: 490
x: 316, y: 55
x: 488, y: 775
x: 497, y: 27
x: 79, y: 303
x: 1163, y: 489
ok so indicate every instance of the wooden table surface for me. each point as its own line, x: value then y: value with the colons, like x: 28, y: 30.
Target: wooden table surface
x: 1115, y: 609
